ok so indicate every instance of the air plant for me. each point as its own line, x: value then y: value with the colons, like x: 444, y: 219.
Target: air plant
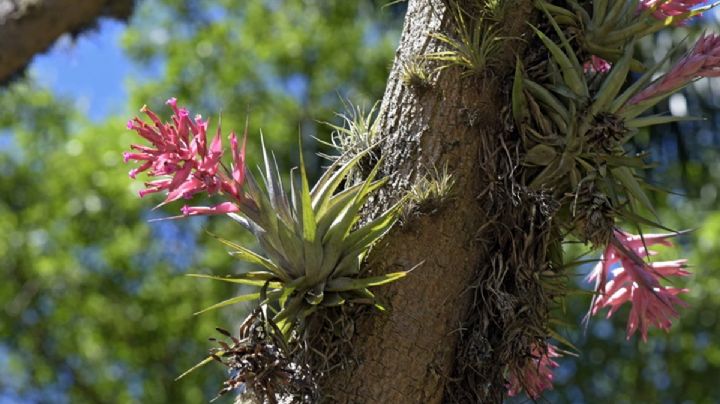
x: 357, y: 134
x: 609, y: 26
x: 312, y: 241
x: 575, y: 119
x: 474, y: 45
x: 414, y: 72
x: 575, y: 134
x: 430, y: 192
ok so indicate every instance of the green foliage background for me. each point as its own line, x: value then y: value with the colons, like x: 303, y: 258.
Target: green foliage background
x: 93, y: 304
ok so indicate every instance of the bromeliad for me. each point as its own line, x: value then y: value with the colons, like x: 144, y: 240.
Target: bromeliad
x: 311, y: 240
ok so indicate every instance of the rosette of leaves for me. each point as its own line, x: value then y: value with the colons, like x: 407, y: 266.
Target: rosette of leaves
x: 607, y: 26
x: 312, y: 241
x: 574, y: 126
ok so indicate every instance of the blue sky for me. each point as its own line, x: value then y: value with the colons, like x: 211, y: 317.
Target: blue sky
x: 90, y: 70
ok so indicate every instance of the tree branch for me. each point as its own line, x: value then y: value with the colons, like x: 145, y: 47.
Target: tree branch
x: 29, y: 27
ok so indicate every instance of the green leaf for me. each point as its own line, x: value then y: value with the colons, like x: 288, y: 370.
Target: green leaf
x: 250, y: 278
x: 636, y: 219
x: 330, y: 180
x: 631, y: 184
x: 253, y: 258
x: 613, y: 82
x: 345, y: 284
x: 340, y: 201
x: 228, y: 302
x: 546, y: 97
x: 363, y: 237
x: 308, y: 215
x: 559, y: 338
x: 291, y: 308
x: 199, y: 365
x: 540, y: 155
x: 571, y: 72
x: 348, y: 216
x: 659, y: 120
x: 333, y: 299
x: 624, y: 161
x: 519, y: 103
x: 620, y: 101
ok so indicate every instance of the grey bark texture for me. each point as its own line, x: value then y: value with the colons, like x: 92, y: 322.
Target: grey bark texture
x: 29, y: 27
x: 408, y: 354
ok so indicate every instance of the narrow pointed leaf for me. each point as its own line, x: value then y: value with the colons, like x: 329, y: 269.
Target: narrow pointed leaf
x: 613, y: 82
x: 659, y: 120
x: 308, y: 215
x: 631, y: 184
x: 331, y: 179
x: 199, y: 365
x: 519, y: 103
x: 345, y: 284
x: 233, y: 300
x: 571, y: 73
x: 253, y: 258
x: 251, y: 279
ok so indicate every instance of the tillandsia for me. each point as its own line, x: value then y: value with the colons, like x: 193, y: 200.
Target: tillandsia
x: 637, y: 281
x: 575, y: 111
x: 536, y: 374
x: 312, y: 240
x: 603, y: 29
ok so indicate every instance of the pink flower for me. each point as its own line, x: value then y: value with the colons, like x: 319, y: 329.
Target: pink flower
x: 537, y: 374
x: 181, y: 156
x: 702, y: 61
x: 222, y: 208
x: 638, y: 282
x: 662, y: 9
x: 597, y: 64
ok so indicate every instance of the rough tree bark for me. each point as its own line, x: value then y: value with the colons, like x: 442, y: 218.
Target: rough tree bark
x: 409, y: 354
x: 29, y: 27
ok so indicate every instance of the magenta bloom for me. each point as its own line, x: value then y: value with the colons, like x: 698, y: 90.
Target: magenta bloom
x: 638, y: 282
x: 222, y: 208
x: 185, y: 162
x: 596, y: 64
x: 702, y: 61
x: 537, y: 374
x: 669, y: 8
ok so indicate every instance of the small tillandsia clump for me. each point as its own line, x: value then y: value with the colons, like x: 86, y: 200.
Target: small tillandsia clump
x: 429, y: 193
x: 415, y: 73
x: 312, y: 242
x: 575, y: 111
x: 357, y: 135
x: 476, y: 40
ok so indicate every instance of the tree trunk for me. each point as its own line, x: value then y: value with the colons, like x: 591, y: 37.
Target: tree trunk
x: 28, y: 27
x: 453, y: 325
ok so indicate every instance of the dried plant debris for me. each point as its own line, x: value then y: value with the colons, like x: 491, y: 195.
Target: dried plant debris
x: 260, y: 367
x: 513, y: 295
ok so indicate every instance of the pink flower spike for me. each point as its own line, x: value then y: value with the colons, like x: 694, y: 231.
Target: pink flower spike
x: 225, y: 207
x: 637, y: 282
x: 596, y: 64
x: 702, y: 61
x: 669, y: 8
x: 537, y: 374
x: 238, y: 156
